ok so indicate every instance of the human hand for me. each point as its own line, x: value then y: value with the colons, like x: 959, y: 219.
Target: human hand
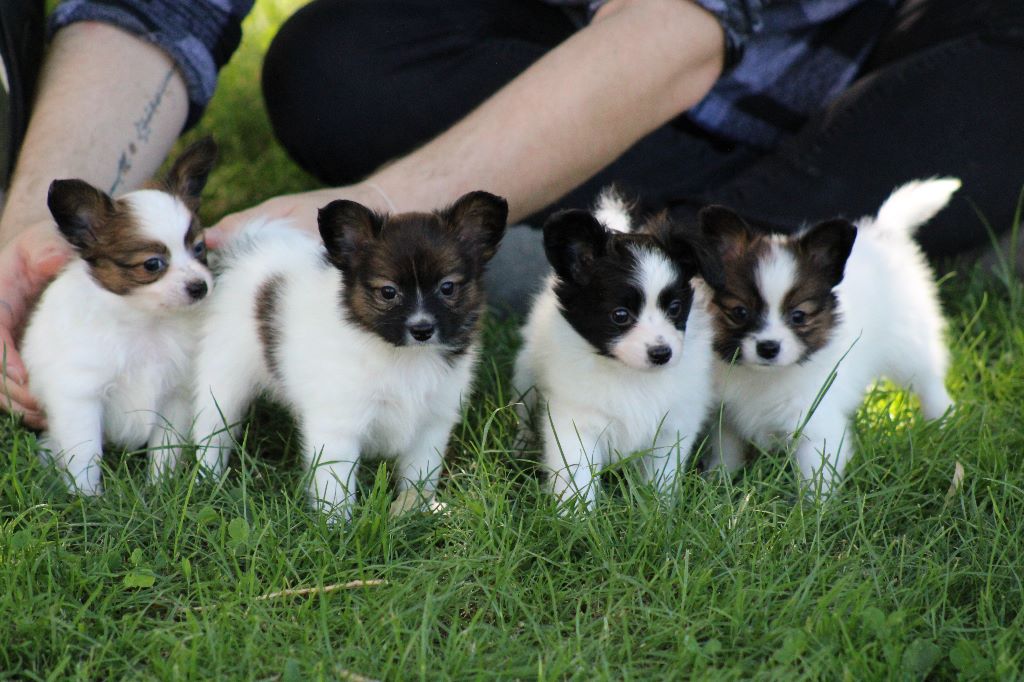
x: 27, y: 264
x: 300, y: 208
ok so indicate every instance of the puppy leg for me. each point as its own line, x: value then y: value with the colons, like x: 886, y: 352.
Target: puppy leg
x: 727, y: 449
x: 75, y: 441
x: 935, y: 400
x: 526, y: 400
x: 332, y: 458
x: 571, y: 457
x: 924, y: 369
x: 169, y: 435
x: 825, y: 447
x: 669, y: 456
x: 421, y: 467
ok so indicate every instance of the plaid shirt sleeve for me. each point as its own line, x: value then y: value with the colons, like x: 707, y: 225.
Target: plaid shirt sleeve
x: 199, y: 35
x: 785, y: 60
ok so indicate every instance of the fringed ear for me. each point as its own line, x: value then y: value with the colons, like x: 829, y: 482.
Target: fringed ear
x: 724, y: 230
x: 480, y: 219
x: 573, y: 240
x: 346, y: 228
x: 188, y: 175
x: 691, y: 250
x: 827, y: 247
x: 80, y: 211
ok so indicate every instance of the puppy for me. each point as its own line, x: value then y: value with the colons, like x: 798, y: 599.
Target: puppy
x: 369, y: 338
x: 617, y: 348
x: 109, y: 347
x: 859, y: 300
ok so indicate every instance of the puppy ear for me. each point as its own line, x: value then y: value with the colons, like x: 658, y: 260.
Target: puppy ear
x: 573, y: 239
x: 188, y: 175
x: 724, y: 230
x: 480, y: 219
x: 346, y: 228
x: 79, y: 209
x: 827, y: 247
x: 687, y: 247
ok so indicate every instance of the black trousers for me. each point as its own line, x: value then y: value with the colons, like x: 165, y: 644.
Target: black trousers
x: 351, y: 84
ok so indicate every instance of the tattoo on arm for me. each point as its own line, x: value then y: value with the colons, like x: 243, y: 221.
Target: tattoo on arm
x: 143, y: 130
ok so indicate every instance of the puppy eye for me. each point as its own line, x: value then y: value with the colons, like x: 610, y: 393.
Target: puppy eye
x: 675, y: 309
x: 154, y: 264
x: 199, y: 249
x: 447, y: 288
x: 739, y: 313
x: 388, y: 292
x: 621, y: 316
x: 798, y: 317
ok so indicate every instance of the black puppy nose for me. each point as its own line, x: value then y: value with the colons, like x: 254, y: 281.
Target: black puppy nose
x: 196, y: 289
x: 421, y: 331
x: 659, y: 355
x: 768, y: 349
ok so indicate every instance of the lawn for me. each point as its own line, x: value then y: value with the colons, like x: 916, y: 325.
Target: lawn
x: 898, y: 575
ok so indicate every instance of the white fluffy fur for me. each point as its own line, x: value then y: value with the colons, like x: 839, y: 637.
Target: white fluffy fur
x: 613, y: 212
x: 891, y: 326
x: 117, y: 368
x: 591, y: 409
x: 351, y: 391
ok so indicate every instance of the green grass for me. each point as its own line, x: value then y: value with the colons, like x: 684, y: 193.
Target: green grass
x: 891, y: 578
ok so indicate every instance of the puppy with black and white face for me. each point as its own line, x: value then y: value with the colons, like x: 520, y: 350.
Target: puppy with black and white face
x: 369, y: 338
x: 617, y: 348
x: 855, y: 298
x: 109, y: 348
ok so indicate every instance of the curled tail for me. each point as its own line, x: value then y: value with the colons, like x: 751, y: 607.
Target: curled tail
x: 612, y: 211
x: 915, y: 203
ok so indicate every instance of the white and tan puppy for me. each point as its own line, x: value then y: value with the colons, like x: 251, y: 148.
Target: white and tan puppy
x: 109, y: 347
x: 854, y: 298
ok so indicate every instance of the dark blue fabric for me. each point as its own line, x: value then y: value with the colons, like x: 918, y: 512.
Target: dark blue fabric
x: 785, y: 60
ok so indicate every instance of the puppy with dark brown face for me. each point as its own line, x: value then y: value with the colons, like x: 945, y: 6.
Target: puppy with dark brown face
x: 369, y: 338
x: 109, y: 347
x: 778, y: 305
x: 854, y: 299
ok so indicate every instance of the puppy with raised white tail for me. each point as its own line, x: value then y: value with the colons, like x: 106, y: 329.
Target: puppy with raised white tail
x: 369, y: 339
x: 617, y: 348
x: 110, y: 345
x: 858, y: 299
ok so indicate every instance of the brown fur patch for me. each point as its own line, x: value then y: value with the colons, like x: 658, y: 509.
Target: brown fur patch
x: 739, y: 262
x: 414, y: 252
x: 812, y: 295
x: 105, y: 233
x: 116, y: 253
x: 267, y: 300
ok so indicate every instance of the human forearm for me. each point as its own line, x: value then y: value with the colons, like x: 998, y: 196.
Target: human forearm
x: 111, y: 131
x: 571, y: 113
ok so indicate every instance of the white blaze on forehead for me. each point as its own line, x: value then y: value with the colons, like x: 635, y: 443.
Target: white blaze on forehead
x: 162, y: 217
x: 654, y: 272
x: 775, y: 276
